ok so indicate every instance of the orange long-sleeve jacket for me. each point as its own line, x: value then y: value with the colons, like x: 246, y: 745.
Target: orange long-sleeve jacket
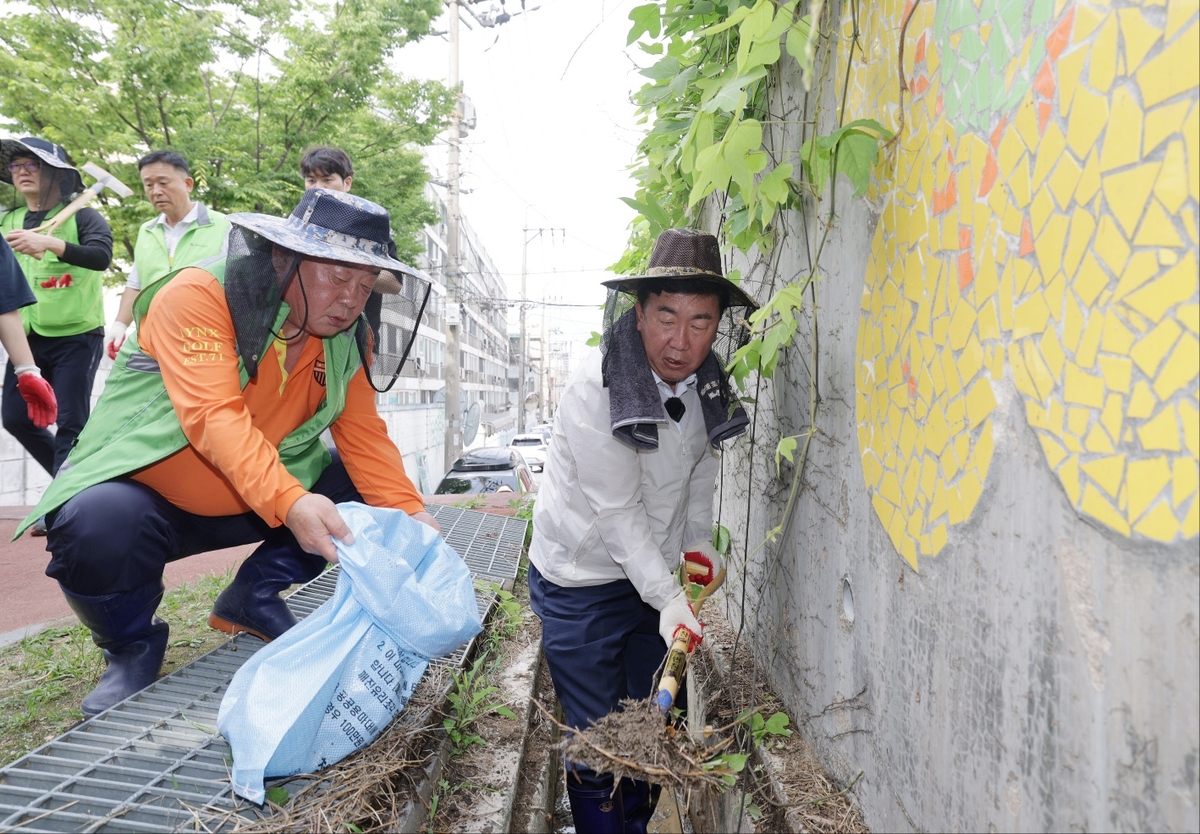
x: 231, y: 464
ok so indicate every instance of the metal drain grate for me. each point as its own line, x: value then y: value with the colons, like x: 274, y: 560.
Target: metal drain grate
x: 489, y: 544
x: 155, y: 762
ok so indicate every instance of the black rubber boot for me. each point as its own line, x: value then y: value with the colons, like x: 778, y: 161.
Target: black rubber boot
x: 596, y: 811
x: 252, y: 603
x: 639, y: 799
x: 132, y: 638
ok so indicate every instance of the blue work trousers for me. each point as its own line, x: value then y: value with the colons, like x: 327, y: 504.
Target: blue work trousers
x: 117, y: 536
x: 69, y: 364
x: 602, y: 645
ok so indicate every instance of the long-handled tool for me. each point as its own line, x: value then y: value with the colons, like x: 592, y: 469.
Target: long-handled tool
x: 675, y: 668
x: 103, y: 180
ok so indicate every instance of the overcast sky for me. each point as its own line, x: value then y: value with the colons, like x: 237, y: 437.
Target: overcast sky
x: 555, y: 135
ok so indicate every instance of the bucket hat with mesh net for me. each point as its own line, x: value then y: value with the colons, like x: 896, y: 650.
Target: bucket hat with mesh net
x: 57, y: 167
x: 684, y: 254
x: 265, y: 252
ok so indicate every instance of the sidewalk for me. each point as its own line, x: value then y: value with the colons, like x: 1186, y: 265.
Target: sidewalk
x: 32, y: 601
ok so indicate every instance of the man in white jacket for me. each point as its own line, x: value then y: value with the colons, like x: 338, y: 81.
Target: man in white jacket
x: 628, y: 488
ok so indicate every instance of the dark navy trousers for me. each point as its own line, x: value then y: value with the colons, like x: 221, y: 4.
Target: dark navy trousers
x: 69, y: 364
x: 601, y: 644
x: 117, y: 536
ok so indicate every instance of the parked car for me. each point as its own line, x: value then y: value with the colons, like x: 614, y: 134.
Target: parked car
x: 491, y: 469
x: 533, y: 447
x: 545, y: 430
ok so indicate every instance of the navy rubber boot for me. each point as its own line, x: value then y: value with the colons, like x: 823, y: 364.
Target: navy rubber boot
x: 132, y: 639
x: 596, y: 811
x: 252, y: 603
x: 640, y: 799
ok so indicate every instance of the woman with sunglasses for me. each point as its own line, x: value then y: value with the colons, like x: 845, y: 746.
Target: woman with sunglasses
x: 65, y: 328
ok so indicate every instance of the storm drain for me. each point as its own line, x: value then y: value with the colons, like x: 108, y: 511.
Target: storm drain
x: 155, y: 761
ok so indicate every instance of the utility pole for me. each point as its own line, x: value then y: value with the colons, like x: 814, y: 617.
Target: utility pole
x: 453, y: 272
x: 544, y: 376
x: 524, y: 358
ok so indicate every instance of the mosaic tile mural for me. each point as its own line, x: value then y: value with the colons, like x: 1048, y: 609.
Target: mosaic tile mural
x: 1038, y: 231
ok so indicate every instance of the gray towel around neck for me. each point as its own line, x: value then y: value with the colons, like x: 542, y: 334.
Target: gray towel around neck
x: 635, y: 406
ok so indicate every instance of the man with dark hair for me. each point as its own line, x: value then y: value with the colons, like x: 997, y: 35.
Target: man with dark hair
x: 65, y: 270
x: 209, y: 433
x: 627, y: 496
x: 326, y: 167
x: 185, y: 232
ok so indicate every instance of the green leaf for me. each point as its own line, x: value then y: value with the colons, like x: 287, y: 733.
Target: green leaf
x: 721, y: 539
x: 506, y: 712
x: 663, y: 69
x: 647, y: 20
x: 651, y: 211
x: 856, y: 157
x: 777, y: 725
x: 278, y: 795
x: 786, y: 449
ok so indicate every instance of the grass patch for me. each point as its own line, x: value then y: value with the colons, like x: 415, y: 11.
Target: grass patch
x: 44, y: 677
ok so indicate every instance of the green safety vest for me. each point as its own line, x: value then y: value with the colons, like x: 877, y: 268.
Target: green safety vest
x: 134, y: 424
x: 203, y: 239
x: 60, y: 311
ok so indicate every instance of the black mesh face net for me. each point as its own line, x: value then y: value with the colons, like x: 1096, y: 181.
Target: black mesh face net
x: 388, y: 326
x: 55, y: 186
x: 256, y: 274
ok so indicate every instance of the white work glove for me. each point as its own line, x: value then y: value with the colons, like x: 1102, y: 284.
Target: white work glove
x: 114, y: 337
x: 702, y: 562
x: 678, y: 612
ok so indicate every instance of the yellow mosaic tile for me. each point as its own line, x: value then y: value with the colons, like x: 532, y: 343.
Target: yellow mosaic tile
x: 1070, y: 70
x: 1177, y: 286
x: 1089, y: 182
x: 1089, y: 343
x: 1159, y: 524
x: 1172, y: 184
x: 1090, y: 280
x: 1113, y: 416
x: 1052, y: 449
x: 1082, y: 388
x: 1043, y: 379
x: 1056, y: 288
x: 1137, y: 35
x: 1021, y: 377
x: 1127, y: 192
x: 1118, y: 338
x: 1160, y: 432
x: 1189, y: 415
x: 1185, y: 481
x: 1040, y: 209
x: 1180, y: 369
x: 1118, y: 374
x: 1141, y: 268
x: 1123, y: 137
x: 1173, y: 70
x: 1146, y: 479
x: 1064, y: 179
x: 1191, y: 135
x: 1142, y: 403
x: 1030, y: 316
x: 1072, y: 327
x: 1179, y: 12
x: 1052, y: 352
x: 1097, y: 441
x: 1152, y: 348
x: 1157, y: 228
x: 1162, y: 122
x: 1077, y: 420
x: 1104, y: 57
x: 1095, y: 505
x: 1050, y: 243
x: 1189, y: 316
x: 1050, y: 152
x: 1111, y: 246
x: 981, y: 402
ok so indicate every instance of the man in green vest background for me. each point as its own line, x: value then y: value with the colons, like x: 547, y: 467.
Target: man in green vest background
x: 184, y: 233
x: 208, y: 433
x: 65, y: 328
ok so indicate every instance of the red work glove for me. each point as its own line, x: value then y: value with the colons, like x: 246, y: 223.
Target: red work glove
x: 50, y: 283
x: 702, y: 562
x: 676, y: 614
x: 114, y: 337
x: 65, y: 280
x: 39, y: 396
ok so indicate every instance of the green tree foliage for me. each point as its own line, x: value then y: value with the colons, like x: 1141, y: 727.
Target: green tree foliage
x: 240, y: 88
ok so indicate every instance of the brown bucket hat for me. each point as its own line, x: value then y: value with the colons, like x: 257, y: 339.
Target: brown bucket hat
x: 686, y: 253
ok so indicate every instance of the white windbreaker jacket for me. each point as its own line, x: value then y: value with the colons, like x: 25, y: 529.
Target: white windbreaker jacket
x: 605, y: 511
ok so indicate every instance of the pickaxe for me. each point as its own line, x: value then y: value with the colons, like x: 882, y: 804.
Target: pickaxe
x: 103, y: 180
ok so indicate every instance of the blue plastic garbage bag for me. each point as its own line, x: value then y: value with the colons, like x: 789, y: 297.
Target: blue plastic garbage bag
x: 330, y: 685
